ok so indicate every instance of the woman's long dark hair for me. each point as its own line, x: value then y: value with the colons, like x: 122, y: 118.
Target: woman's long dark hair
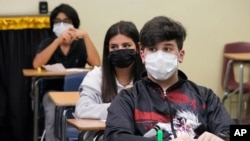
x: 109, y: 86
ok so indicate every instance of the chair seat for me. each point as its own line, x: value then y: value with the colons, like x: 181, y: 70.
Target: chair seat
x: 233, y: 86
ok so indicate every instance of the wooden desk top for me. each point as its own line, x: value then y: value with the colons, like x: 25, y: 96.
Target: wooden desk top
x: 34, y: 72
x: 64, y: 98
x: 238, y: 56
x: 87, y: 124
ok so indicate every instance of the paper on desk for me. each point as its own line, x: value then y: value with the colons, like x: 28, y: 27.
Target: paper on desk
x: 76, y: 70
x: 58, y: 67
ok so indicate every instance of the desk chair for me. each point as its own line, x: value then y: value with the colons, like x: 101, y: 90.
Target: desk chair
x: 229, y: 83
x: 71, y: 83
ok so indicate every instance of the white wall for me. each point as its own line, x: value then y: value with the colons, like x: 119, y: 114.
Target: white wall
x: 210, y: 24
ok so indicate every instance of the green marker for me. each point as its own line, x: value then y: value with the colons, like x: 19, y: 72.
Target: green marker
x: 159, y: 135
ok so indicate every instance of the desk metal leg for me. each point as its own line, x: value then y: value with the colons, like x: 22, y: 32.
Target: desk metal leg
x: 64, y: 124
x: 36, y: 103
x: 240, y: 101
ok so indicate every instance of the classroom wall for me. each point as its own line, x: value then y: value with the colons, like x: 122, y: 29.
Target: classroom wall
x: 210, y: 24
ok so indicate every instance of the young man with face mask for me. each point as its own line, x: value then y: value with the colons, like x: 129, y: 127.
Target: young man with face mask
x: 165, y: 99
x: 69, y: 45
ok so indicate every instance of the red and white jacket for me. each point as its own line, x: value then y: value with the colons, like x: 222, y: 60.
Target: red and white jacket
x: 183, y: 108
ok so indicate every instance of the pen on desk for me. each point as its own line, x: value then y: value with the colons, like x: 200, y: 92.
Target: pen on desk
x: 159, y: 135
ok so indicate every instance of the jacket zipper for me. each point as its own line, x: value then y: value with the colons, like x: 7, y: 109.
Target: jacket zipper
x: 165, y: 94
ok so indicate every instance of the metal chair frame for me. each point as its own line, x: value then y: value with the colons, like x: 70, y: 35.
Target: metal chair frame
x: 229, y: 84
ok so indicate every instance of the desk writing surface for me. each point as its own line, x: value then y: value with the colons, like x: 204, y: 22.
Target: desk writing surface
x: 64, y: 98
x: 238, y: 56
x: 87, y: 124
x: 34, y: 72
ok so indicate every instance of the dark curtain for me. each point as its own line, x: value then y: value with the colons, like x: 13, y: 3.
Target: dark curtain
x: 17, y: 49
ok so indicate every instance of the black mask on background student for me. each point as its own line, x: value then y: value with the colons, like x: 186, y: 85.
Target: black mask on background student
x: 122, y: 58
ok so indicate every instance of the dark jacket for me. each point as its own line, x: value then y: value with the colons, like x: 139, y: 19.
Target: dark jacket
x: 185, y: 107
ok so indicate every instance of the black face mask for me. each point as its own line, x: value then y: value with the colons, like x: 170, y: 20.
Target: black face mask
x: 122, y: 58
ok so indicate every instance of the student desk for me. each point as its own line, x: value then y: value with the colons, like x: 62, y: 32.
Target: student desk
x: 87, y: 124
x: 36, y: 78
x: 70, y: 99
x: 64, y: 99
x: 242, y: 58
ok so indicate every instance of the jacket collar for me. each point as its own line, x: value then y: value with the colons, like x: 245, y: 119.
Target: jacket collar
x: 182, y: 78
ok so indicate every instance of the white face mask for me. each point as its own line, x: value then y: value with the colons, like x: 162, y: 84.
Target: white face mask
x: 58, y: 28
x: 161, y: 65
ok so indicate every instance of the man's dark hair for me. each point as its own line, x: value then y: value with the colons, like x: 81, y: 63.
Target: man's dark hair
x: 160, y: 29
x: 69, y: 11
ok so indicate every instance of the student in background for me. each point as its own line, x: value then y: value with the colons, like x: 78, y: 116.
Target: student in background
x: 68, y: 45
x: 120, y: 69
x: 165, y: 98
